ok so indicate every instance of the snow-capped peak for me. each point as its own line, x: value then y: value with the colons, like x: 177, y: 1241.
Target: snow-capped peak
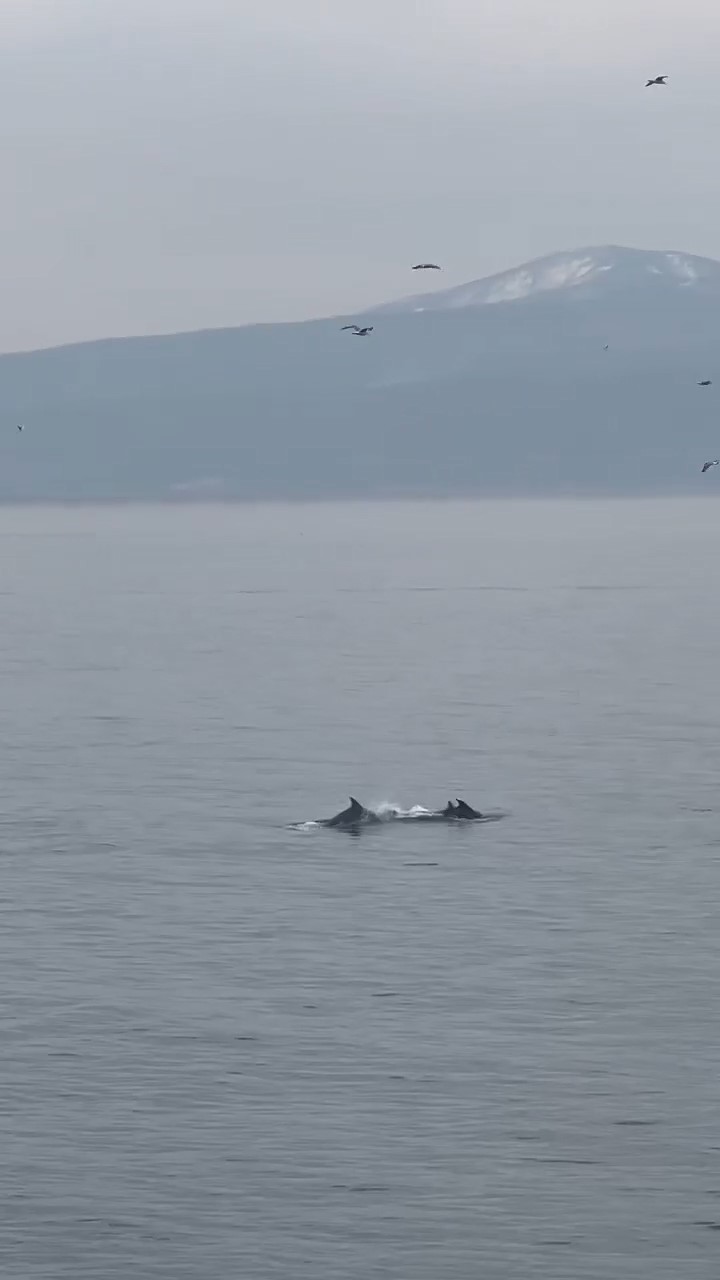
x: 609, y: 267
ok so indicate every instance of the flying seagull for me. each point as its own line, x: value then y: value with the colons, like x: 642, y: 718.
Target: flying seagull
x: 657, y: 80
x: 707, y: 465
x: 357, y: 331
x: 21, y: 426
x: 605, y: 348
x: 705, y: 383
x: 426, y: 266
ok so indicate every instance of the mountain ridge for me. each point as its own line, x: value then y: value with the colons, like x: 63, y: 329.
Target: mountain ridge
x: 568, y: 269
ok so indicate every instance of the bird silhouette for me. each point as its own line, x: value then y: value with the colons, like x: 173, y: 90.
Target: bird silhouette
x: 657, y: 80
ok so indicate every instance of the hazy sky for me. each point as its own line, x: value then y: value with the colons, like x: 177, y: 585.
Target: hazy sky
x: 176, y: 164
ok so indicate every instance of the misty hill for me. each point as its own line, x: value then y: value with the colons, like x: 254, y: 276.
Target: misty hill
x: 499, y: 386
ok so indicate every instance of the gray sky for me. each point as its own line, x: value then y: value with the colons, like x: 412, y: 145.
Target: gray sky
x: 177, y: 164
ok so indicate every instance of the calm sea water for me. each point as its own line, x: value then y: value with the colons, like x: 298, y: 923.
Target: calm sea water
x: 230, y: 1049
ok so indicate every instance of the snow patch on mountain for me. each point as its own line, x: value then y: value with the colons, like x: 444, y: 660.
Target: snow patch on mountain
x: 684, y: 268
x: 553, y: 275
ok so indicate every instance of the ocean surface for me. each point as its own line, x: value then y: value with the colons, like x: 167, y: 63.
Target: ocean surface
x: 234, y: 1049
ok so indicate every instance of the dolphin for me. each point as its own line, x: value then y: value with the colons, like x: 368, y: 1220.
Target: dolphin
x: 458, y: 812
x: 351, y: 818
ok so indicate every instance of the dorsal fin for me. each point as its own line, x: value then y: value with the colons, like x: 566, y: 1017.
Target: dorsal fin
x: 466, y: 811
x: 355, y: 805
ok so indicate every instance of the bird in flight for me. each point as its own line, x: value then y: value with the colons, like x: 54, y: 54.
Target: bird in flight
x: 705, y: 383
x: 357, y: 331
x: 605, y: 348
x: 21, y: 426
x: 707, y: 465
x: 426, y: 266
x: 657, y: 80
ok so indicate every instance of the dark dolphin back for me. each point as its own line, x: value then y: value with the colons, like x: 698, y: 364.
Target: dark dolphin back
x: 466, y: 811
x: 354, y: 813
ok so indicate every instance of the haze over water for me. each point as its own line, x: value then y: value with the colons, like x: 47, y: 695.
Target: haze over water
x: 234, y: 1049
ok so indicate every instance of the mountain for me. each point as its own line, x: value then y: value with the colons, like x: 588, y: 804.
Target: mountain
x: 587, y: 272
x: 500, y: 386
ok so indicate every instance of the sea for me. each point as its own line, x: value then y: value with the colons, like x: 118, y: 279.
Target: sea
x: 235, y: 1047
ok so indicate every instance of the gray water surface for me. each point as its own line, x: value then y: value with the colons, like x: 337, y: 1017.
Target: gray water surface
x: 231, y: 1049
